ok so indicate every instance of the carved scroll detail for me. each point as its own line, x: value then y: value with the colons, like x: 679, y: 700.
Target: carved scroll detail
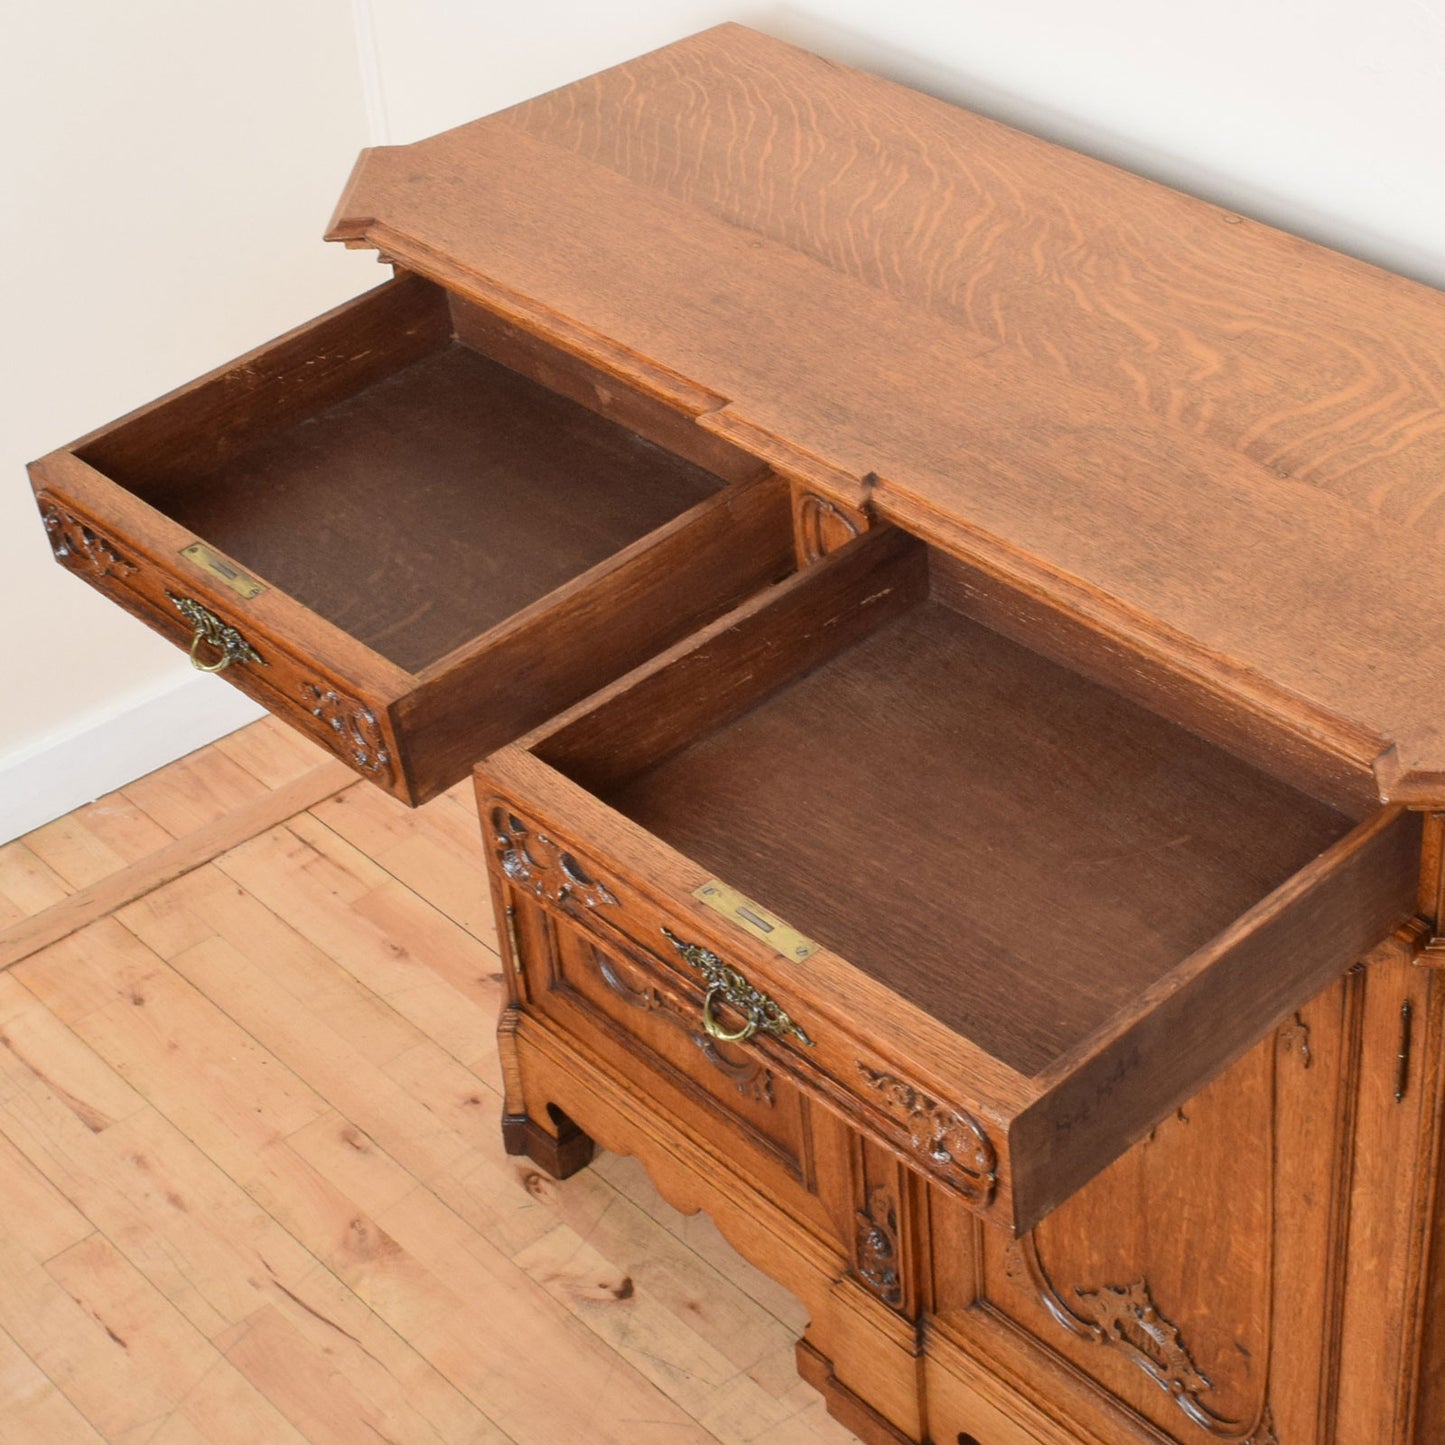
x: 747, y: 1076
x: 822, y: 527
x: 876, y: 1246
x: 1125, y: 1318
x: 534, y: 862
x: 358, y: 734
x: 949, y: 1139
x: 80, y: 547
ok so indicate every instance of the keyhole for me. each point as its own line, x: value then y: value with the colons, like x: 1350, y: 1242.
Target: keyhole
x: 964, y: 1438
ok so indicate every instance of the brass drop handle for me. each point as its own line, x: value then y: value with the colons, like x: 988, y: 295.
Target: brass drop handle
x: 726, y: 985
x: 210, y: 631
x: 219, y: 665
x: 715, y: 1030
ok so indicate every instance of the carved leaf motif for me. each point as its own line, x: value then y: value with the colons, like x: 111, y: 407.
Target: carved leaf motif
x: 876, y: 1247
x: 358, y: 734
x: 1125, y: 1318
x: 80, y: 547
x: 534, y: 862
x: 951, y: 1139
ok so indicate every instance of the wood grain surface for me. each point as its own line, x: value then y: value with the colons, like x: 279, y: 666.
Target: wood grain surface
x: 251, y: 1184
x: 940, y: 806
x: 421, y: 511
x: 1216, y: 438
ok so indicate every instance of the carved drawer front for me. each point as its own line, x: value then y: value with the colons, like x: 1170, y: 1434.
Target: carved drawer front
x: 452, y: 530
x: 697, y: 1010
x: 605, y: 993
x: 214, y: 628
x: 887, y: 848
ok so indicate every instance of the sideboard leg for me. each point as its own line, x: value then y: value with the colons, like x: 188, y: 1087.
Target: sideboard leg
x: 561, y: 1153
x: 848, y: 1409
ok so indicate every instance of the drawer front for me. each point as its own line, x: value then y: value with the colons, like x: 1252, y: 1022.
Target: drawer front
x: 710, y: 996
x: 198, y: 618
x: 452, y: 551
x: 608, y: 992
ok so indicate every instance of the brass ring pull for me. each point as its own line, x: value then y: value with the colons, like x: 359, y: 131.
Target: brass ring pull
x: 209, y: 629
x: 715, y: 1030
x: 219, y: 665
x: 726, y: 984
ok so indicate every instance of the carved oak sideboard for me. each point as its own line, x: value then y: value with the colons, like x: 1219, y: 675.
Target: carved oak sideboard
x: 953, y: 635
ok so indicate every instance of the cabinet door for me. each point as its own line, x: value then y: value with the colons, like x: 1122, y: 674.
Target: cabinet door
x: 1195, y: 1282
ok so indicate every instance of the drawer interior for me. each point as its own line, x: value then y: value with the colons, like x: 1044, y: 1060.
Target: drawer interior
x: 397, y: 480
x: 1017, y: 850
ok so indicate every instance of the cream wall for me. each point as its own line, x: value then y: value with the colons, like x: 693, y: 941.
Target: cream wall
x: 1324, y: 117
x: 171, y: 166
x: 167, y: 173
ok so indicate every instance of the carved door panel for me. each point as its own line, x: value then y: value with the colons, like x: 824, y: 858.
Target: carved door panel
x: 1187, y: 1280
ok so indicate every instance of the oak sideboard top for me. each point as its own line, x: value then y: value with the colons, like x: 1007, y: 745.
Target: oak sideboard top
x: 1218, y: 447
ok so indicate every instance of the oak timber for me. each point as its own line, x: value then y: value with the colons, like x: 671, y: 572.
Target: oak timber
x: 249, y: 1191
x: 1120, y: 382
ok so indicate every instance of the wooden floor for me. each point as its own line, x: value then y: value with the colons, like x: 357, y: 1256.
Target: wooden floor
x: 251, y: 1183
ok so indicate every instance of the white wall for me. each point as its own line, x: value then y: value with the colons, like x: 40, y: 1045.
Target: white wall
x: 1326, y: 118
x: 170, y: 167
x: 167, y: 173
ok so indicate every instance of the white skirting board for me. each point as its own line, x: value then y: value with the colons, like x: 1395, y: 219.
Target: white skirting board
x: 63, y: 772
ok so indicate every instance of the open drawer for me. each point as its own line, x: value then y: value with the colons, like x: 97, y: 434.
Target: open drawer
x: 1046, y: 915
x: 413, y: 531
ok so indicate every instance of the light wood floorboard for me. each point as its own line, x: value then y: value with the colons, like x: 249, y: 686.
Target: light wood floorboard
x: 252, y: 1187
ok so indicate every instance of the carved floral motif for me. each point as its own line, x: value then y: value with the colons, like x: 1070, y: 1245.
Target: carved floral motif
x: 1125, y: 1318
x: 747, y: 1076
x: 876, y: 1246
x: 534, y: 862
x: 949, y: 1139
x: 80, y: 547
x: 359, y: 736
